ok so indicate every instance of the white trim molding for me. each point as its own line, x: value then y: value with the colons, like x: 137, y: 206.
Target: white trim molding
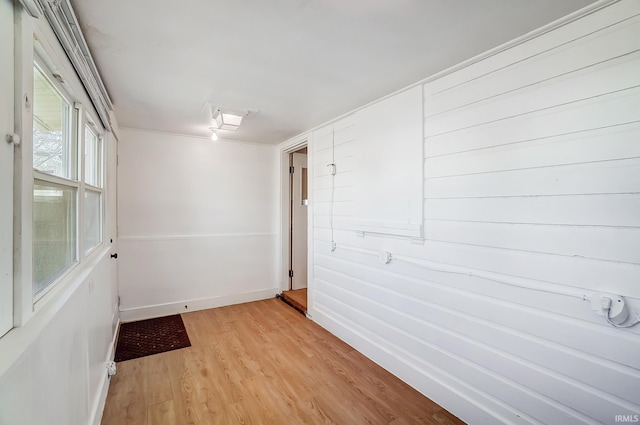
x: 65, y: 25
x: 186, y: 306
x: 32, y: 7
x: 394, y: 229
x: 98, y: 407
x: 192, y: 237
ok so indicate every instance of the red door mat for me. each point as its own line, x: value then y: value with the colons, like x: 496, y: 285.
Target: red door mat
x: 151, y: 336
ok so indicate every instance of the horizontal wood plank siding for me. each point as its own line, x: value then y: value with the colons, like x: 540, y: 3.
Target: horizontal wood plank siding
x: 531, y: 203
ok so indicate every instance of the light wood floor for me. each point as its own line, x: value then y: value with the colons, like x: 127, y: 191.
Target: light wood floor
x: 297, y: 297
x: 262, y: 363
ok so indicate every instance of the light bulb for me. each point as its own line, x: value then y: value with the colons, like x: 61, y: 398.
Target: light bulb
x: 214, y: 136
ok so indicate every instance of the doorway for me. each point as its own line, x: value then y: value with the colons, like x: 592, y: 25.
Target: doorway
x: 296, y: 294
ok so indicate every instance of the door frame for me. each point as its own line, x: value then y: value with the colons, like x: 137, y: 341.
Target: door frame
x: 299, y: 220
x: 284, y: 242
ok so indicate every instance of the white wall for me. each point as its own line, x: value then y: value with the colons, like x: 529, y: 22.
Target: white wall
x: 52, y: 364
x: 59, y: 378
x: 197, y: 223
x: 531, y: 201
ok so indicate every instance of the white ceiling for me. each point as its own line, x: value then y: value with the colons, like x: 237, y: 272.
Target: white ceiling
x: 299, y: 62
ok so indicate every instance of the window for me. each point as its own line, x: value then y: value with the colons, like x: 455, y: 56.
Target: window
x: 93, y: 188
x: 54, y: 232
x: 52, y: 146
x: 92, y: 219
x: 92, y: 157
x: 55, y: 188
x: 67, y: 186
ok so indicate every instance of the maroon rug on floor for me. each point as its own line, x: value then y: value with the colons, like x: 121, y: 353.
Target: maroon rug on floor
x: 151, y: 336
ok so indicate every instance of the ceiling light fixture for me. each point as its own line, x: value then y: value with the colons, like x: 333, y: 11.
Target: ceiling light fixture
x: 225, y: 119
x: 214, y: 134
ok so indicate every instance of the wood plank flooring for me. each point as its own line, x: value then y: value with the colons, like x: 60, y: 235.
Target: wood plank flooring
x: 262, y: 363
x: 297, y: 297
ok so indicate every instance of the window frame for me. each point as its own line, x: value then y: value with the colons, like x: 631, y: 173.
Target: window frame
x: 74, y: 155
x: 79, y: 120
x: 65, y: 270
x: 89, y: 124
x: 72, y: 165
x: 36, y: 43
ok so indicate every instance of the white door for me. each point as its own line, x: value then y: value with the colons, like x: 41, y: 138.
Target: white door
x: 6, y: 166
x: 299, y: 222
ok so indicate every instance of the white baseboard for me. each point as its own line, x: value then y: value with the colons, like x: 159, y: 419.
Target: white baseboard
x: 159, y: 310
x: 115, y: 325
x: 98, y: 409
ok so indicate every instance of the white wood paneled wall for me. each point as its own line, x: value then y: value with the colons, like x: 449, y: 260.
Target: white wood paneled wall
x: 531, y: 199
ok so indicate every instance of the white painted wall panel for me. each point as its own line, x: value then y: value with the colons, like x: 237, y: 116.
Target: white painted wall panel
x: 495, y: 286
x: 389, y: 152
x: 617, y: 75
x: 340, y: 210
x: 342, y: 135
x: 178, y: 270
x: 197, y: 223
x: 531, y: 203
x: 534, y: 349
x: 458, y: 351
x: 593, y: 50
x: 347, y: 164
x: 473, y: 297
x: 173, y: 185
x: 594, y: 146
x: 602, y: 177
x: 569, y: 270
x: 616, y: 15
x: 568, y: 121
x: 627, y: 98
x: 339, y: 194
x: 341, y: 151
x: 340, y: 218
x: 603, y: 243
x: 60, y: 377
x: 599, y: 210
x: 342, y: 179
